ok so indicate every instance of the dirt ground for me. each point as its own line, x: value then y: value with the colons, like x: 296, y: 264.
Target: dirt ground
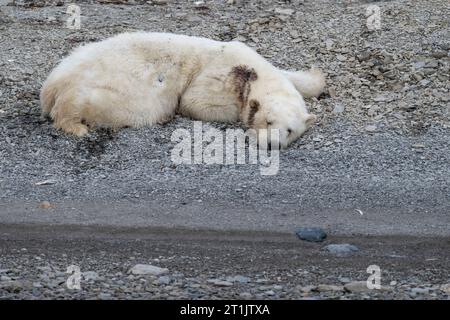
x: 381, y: 146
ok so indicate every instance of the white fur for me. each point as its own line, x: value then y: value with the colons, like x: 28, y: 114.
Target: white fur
x: 138, y: 79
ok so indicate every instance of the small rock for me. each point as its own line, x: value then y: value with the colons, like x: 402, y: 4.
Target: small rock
x: 332, y: 92
x: 164, y: 280
x: 416, y: 291
x: 432, y: 64
x: 311, y: 234
x: 90, y: 276
x: 371, y: 128
x: 329, y: 43
x: 159, y: 2
x: 439, y: 54
x: 104, y: 296
x: 364, y: 56
x: 220, y: 283
x: 277, y: 287
x: 341, y: 249
x: 5, y: 278
x: 240, y: 279
x: 344, y: 280
x: 12, y: 286
x: 356, y: 286
x: 445, y: 288
x: 269, y: 293
x: 146, y: 269
x: 246, y: 295
x: 338, y: 108
x: 45, y: 205
x: 45, y: 182
x: 419, y: 65
x: 328, y: 287
x: 341, y: 57
x: 307, y: 289
x: 286, y: 12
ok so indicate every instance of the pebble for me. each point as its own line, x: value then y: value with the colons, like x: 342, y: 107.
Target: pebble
x: 341, y: 249
x: 5, y: 278
x: 246, y: 295
x: 159, y: 2
x: 45, y: 205
x: 356, y: 286
x: 329, y: 43
x: 46, y: 182
x: 371, y: 128
x: 338, y: 108
x: 311, y: 234
x: 446, y: 288
x: 220, y: 283
x: 307, y: 289
x: 417, y: 291
x: 269, y: 293
x: 344, y: 280
x: 164, y: 280
x: 146, y: 269
x: 286, y: 12
x: 12, y: 286
x: 328, y: 287
x: 90, y: 276
x: 239, y: 278
x: 341, y: 57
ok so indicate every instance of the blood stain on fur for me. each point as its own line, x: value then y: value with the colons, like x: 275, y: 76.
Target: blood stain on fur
x: 254, y: 107
x: 242, y: 77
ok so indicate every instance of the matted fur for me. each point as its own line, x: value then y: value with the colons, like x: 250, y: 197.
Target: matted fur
x: 139, y: 79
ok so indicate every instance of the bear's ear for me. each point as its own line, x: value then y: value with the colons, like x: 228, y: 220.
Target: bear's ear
x: 309, y: 83
x: 310, y: 119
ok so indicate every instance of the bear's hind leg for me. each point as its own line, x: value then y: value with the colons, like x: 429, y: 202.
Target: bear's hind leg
x: 66, y: 115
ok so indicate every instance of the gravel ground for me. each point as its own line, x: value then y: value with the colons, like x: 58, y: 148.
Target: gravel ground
x: 215, y: 265
x: 381, y: 144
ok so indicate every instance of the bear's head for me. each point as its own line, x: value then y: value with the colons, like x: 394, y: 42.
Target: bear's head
x: 286, y: 114
x: 270, y: 100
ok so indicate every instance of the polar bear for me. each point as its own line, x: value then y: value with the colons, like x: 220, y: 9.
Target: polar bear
x: 139, y: 79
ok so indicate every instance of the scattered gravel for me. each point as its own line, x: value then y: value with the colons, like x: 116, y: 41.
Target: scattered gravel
x: 35, y: 267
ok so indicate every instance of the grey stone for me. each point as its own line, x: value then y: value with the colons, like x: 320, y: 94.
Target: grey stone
x: 220, y: 283
x: 146, y: 269
x: 311, y: 234
x: 239, y: 278
x: 341, y: 249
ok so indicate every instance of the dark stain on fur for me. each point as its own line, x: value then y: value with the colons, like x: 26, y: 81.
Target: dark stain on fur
x: 242, y: 77
x: 254, y: 107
